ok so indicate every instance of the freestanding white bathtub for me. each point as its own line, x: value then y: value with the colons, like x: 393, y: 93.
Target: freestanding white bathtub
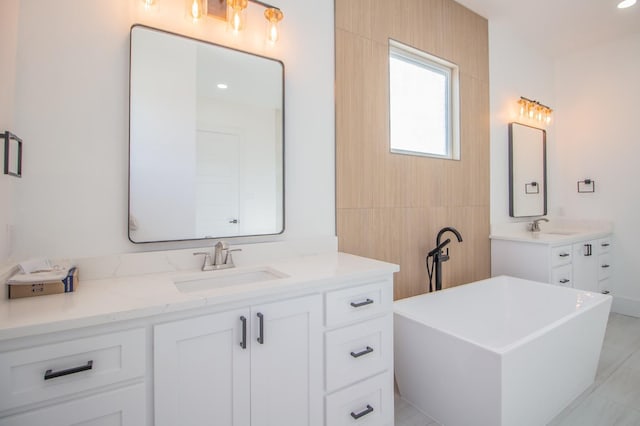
x: 502, y: 351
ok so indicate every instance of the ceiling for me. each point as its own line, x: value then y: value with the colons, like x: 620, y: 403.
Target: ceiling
x: 558, y: 27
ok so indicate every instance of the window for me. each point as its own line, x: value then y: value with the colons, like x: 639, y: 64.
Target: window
x: 423, y: 104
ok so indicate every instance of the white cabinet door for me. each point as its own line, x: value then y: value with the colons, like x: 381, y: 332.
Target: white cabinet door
x: 286, y: 363
x: 201, y: 371
x: 585, y: 265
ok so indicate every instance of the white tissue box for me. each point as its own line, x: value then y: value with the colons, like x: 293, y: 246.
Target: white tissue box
x: 65, y: 285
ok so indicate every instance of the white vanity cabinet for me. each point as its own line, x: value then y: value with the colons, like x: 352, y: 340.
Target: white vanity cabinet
x: 90, y: 380
x: 582, y: 264
x: 260, y: 365
x: 310, y: 348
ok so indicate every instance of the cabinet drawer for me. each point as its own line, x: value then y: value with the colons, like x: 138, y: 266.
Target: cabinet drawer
x: 604, y: 245
x: 560, y: 255
x: 357, y: 303
x: 122, y: 407
x: 70, y: 366
x: 604, y: 266
x: 353, y: 353
x: 562, y: 275
x: 370, y: 401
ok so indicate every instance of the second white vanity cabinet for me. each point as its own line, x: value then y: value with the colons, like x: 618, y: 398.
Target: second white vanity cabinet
x: 584, y: 264
x: 259, y: 365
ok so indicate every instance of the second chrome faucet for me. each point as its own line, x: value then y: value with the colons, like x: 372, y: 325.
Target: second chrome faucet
x: 222, y: 257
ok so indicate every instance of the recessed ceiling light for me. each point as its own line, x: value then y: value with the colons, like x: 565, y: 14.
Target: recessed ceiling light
x: 626, y: 3
x: 224, y: 86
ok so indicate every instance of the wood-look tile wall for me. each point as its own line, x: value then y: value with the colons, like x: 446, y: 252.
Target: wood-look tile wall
x: 390, y: 206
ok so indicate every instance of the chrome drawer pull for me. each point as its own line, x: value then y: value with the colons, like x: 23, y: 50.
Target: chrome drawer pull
x: 564, y: 254
x: 359, y: 304
x: 606, y: 266
x: 364, y: 352
x: 368, y: 410
x: 564, y: 281
x: 605, y: 244
x: 50, y: 374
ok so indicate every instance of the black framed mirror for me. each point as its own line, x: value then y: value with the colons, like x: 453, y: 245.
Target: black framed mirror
x: 206, y: 143
x: 527, y: 171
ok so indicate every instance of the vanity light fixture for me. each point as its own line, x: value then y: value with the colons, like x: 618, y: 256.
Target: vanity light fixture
x: 626, y: 3
x: 234, y: 15
x: 534, y: 110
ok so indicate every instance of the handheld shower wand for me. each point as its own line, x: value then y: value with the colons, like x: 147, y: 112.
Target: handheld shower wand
x: 437, y: 256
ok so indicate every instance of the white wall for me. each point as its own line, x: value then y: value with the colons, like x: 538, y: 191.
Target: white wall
x: 597, y: 131
x: 515, y: 70
x: 8, y: 43
x: 71, y: 108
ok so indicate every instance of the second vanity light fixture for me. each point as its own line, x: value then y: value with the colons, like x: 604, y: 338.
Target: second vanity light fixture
x: 235, y: 13
x: 534, y: 110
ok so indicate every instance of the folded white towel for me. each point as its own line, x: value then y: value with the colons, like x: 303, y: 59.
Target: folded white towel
x: 55, y: 274
x: 35, y: 265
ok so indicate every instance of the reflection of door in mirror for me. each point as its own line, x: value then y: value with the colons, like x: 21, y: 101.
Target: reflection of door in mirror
x: 217, y: 184
x: 527, y: 171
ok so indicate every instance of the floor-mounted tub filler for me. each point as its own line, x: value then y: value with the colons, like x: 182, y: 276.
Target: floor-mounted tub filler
x: 502, y: 351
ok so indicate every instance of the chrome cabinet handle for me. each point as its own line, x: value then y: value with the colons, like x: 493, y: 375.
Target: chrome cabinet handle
x: 564, y: 254
x: 362, y: 413
x: 564, y: 281
x: 261, y: 334
x: 606, y: 266
x: 364, y: 352
x: 360, y: 304
x: 50, y: 374
x: 243, y: 343
x: 605, y: 245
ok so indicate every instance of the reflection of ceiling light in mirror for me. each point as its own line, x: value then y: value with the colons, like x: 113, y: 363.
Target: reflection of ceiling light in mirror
x: 626, y: 3
x: 222, y: 86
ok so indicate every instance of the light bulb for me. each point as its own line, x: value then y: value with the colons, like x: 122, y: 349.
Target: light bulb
x: 273, y: 16
x: 235, y: 14
x: 197, y: 9
x: 148, y: 3
x: 522, y: 107
x: 547, y: 118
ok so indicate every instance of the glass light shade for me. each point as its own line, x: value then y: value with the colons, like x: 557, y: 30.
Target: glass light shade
x: 148, y: 3
x: 235, y: 14
x: 273, y: 16
x: 197, y: 9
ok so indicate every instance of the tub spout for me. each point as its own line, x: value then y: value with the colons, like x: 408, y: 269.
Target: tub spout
x: 437, y: 256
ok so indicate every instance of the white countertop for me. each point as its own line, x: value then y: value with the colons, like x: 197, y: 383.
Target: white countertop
x: 108, y: 300
x: 554, y: 233
x: 550, y: 238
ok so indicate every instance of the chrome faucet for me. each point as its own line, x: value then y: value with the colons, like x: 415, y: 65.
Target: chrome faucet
x: 222, y: 258
x: 535, y: 225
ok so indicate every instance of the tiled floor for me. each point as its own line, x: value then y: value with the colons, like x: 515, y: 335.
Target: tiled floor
x: 614, y: 398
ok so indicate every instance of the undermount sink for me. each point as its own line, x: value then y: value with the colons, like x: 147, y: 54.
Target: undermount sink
x: 220, y: 279
x: 560, y: 232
